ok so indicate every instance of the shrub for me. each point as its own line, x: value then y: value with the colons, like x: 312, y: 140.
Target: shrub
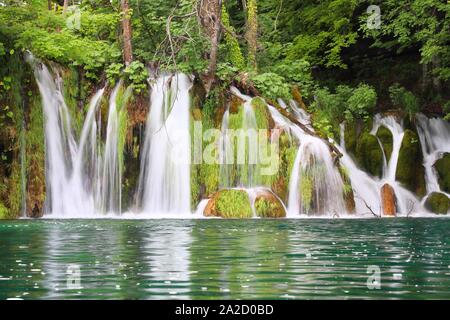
x: 404, y: 99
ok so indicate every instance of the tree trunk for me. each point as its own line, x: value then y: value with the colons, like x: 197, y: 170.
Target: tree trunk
x: 127, y: 50
x: 251, y: 34
x: 66, y: 5
x: 210, y: 19
x: 49, y: 4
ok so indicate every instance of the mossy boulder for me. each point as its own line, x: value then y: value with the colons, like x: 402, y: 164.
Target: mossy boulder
x: 369, y: 154
x: 410, y: 171
x: 229, y: 203
x: 438, y: 203
x: 386, y: 139
x: 349, y: 196
x: 267, y: 205
x: 442, y: 167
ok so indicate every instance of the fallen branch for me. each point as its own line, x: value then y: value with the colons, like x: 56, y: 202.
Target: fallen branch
x: 368, y: 207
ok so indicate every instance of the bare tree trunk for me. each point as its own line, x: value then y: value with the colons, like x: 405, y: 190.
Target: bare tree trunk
x: 66, y: 5
x: 251, y: 34
x: 49, y: 4
x: 126, y: 32
x: 210, y: 19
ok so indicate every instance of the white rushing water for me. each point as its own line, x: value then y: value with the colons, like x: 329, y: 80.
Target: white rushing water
x: 313, y: 170
x: 434, y: 135
x: 111, y: 175
x: 242, y: 159
x: 79, y: 183
x: 367, y: 189
x: 164, y: 183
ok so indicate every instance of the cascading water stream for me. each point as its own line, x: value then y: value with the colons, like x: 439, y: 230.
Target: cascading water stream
x: 112, y: 177
x: 434, y: 136
x: 247, y: 162
x: 71, y: 168
x: 314, y: 178
x: 164, y: 183
x: 367, y: 188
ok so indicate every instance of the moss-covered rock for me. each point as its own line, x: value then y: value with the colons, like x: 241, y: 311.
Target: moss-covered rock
x: 267, y: 205
x: 229, y: 203
x: 349, y: 196
x: 438, y: 203
x: 287, y: 151
x: 410, y: 171
x: 369, y: 154
x: 386, y: 139
x: 263, y: 118
x: 442, y: 167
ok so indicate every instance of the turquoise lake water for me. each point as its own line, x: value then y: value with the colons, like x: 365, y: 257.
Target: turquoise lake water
x: 225, y: 259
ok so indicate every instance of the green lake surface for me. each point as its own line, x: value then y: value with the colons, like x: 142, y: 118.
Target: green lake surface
x: 225, y: 259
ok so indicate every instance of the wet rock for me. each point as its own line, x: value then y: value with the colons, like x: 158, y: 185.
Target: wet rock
x: 229, y: 203
x: 369, y: 154
x: 410, y: 171
x: 386, y: 139
x: 267, y: 205
x: 388, y: 200
x: 349, y: 196
x: 442, y: 167
x: 438, y: 203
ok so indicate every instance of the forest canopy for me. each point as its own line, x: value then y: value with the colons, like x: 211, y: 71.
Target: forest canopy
x: 320, y: 46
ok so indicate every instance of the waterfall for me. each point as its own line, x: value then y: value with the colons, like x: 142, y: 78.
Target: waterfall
x: 397, y: 130
x: 112, y: 175
x: 434, y: 136
x: 367, y: 188
x: 164, y: 182
x: 247, y: 163
x: 70, y: 168
x: 315, y: 184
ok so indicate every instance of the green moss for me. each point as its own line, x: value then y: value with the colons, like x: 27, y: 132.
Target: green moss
x: 386, y: 139
x: 262, y: 114
x: 369, y: 154
x: 4, y: 212
x: 269, y: 207
x: 234, y: 51
x: 233, y: 204
x: 438, y: 203
x: 410, y: 171
x: 442, y: 167
x: 349, y: 196
x: 306, y: 190
x: 350, y: 138
x: 35, y: 160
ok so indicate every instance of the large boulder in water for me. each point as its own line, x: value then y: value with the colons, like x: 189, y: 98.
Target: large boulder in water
x: 410, y: 171
x: 267, y: 205
x: 438, y: 203
x: 388, y: 200
x: 442, y: 167
x: 229, y: 203
x: 386, y: 139
x: 369, y: 154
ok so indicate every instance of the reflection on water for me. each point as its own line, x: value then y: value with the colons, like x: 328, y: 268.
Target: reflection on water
x: 218, y: 259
